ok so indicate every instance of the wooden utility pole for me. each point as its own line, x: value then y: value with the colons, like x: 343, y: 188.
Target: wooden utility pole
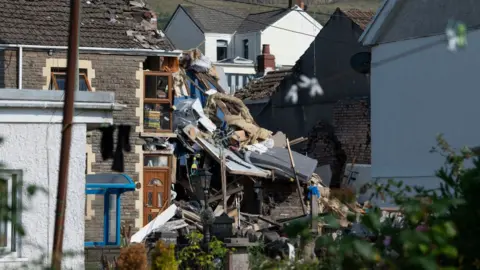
x: 296, y: 177
x: 72, y: 81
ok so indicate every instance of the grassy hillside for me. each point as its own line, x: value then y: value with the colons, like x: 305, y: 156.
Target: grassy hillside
x: 317, y: 9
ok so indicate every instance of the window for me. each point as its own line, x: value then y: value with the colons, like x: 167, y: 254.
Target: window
x: 221, y: 49
x: 59, y: 78
x: 9, y: 199
x: 155, y: 161
x: 245, y: 48
x: 157, y: 102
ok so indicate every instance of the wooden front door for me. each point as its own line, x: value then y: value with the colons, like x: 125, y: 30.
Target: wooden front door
x: 156, y: 192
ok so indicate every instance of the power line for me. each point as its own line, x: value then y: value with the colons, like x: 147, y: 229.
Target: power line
x: 266, y: 24
x: 300, y: 11
x: 377, y: 64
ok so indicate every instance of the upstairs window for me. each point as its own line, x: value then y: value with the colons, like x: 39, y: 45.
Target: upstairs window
x: 245, y: 48
x: 157, y: 102
x: 59, y: 80
x: 222, y: 49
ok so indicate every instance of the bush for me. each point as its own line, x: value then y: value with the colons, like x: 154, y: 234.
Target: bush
x: 438, y: 228
x: 163, y: 257
x: 194, y: 257
x: 132, y: 257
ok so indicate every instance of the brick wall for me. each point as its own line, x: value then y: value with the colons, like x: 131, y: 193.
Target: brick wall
x: 115, y: 73
x: 346, y: 138
x: 351, y: 120
x: 281, y: 199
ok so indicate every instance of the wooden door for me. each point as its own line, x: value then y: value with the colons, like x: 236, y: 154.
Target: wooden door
x: 156, y: 192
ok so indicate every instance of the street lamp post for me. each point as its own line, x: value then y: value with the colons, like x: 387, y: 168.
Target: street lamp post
x: 207, y: 214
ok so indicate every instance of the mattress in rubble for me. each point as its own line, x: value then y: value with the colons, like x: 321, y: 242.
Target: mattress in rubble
x: 278, y: 160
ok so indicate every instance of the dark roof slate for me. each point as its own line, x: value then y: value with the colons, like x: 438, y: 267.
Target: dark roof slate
x: 360, y: 17
x: 263, y: 87
x: 104, y: 23
x: 227, y: 20
x: 260, y: 21
x: 415, y: 19
x: 216, y: 20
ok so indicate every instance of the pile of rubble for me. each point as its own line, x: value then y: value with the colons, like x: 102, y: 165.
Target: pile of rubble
x: 248, y: 165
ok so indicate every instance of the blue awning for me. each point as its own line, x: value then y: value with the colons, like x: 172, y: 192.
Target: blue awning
x: 108, y: 184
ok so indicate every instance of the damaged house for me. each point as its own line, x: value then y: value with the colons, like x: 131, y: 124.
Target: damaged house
x: 121, y: 51
x: 324, y: 97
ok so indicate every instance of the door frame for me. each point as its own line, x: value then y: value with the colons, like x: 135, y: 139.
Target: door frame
x: 167, y: 185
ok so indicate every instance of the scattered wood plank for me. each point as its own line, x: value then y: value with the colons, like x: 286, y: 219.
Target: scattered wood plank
x: 229, y: 193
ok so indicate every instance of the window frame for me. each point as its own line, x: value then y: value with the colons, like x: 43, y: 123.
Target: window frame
x: 13, y: 178
x: 245, y: 49
x: 167, y: 100
x: 169, y: 163
x: 55, y: 84
x: 225, y: 46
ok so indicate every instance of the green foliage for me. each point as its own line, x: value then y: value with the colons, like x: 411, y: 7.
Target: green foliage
x: 163, y: 257
x: 438, y: 229
x: 194, y: 257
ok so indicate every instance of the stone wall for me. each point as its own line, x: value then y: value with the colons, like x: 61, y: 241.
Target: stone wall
x: 114, y: 73
x: 93, y: 256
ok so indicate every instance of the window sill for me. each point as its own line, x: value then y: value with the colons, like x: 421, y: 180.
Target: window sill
x: 158, y: 134
x: 12, y: 259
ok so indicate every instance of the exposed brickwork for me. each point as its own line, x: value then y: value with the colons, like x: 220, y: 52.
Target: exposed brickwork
x: 281, y: 200
x: 346, y: 139
x: 115, y: 73
x: 351, y: 119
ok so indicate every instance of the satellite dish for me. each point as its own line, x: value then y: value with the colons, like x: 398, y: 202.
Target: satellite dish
x: 361, y: 61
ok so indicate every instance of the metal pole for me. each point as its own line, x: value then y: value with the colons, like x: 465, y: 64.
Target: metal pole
x: 72, y: 77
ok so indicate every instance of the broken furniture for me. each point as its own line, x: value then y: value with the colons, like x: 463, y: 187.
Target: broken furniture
x: 111, y: 186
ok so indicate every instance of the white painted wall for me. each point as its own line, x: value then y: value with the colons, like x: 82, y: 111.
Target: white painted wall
x: 35, y: 149
x: 416, y: 96
x: 288, y: 46
x: 211, y: 45
x: 183, y: 33
x: 254, y: 45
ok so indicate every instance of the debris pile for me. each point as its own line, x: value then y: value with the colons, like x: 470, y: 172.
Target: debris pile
x: 256, y: 184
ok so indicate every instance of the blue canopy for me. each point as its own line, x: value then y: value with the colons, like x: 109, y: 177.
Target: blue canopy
x: 108, y: 184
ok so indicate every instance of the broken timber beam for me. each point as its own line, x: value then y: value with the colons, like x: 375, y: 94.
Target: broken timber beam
x: 296, y: 178
x: 229, y: 192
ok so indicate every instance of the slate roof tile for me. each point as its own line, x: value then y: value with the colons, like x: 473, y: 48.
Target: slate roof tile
x: 104, y: 23
x: 360, y: 17
x: 263, y: 87
x: 216, y: 20
x: 228, y: 20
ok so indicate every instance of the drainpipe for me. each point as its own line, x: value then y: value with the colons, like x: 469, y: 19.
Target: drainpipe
x: 20, y: 67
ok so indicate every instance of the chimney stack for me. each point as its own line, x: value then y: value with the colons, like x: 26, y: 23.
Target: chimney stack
x: 301, y: 4
x: 265, y: 61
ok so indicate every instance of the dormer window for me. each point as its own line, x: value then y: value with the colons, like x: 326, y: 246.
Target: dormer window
x: 245, y: 48
x: 221, y: 49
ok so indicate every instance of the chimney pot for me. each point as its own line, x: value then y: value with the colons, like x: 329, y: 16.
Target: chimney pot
x: 266, y: 49
x: 265, y: 61
x: 301, y: 4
